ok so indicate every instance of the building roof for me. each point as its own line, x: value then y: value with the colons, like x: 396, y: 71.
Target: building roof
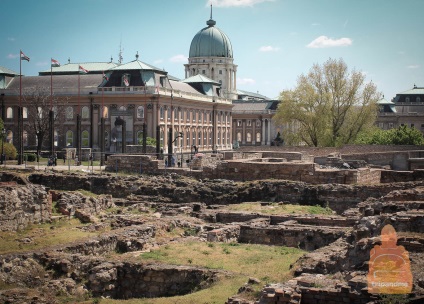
x: 252, y: 105
x: 181, y: 86
x: 60, y: 82
x: 211, y: 42
x: 73, y: 68
x: 413, y: 91
x: 383, y: 101
x: 136, y: 65
x: 200, y: 79
x: 6, y: 71
x: 251, y: 94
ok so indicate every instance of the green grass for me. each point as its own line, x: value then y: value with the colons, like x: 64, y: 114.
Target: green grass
x: 43, y: 236
x: 280, y: 208
x: 267, y: 263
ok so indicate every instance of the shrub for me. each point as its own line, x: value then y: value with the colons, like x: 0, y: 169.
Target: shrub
x: 10, y: 151
x: 30, y: 157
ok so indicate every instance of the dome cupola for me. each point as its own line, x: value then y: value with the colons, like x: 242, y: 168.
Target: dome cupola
x: 211, y: 42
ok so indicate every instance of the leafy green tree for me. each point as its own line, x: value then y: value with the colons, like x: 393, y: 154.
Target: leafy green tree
x: 403, y: 135
x: 329, y: 106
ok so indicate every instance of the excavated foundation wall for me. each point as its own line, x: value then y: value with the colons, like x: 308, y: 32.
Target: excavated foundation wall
x: 22, y: 205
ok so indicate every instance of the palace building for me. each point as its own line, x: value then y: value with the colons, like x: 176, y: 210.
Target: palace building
x: 196, y: 111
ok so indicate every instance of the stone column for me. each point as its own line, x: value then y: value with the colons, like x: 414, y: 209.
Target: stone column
x: 243, y: 132
x: 263, y: 132
x: 268, y: 142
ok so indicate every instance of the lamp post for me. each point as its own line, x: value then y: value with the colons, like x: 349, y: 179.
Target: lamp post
x: 3, y: 133
x: 179, y: 135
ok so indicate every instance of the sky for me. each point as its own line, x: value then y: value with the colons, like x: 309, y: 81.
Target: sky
x: 273, y: 41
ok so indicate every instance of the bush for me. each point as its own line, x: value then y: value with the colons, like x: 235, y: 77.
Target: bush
x: 10, y: 151
x: 30, y: 157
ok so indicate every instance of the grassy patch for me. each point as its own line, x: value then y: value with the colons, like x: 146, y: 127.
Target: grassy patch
x: 267, y: 263
x: 279, y: 208
x: 42, y: 236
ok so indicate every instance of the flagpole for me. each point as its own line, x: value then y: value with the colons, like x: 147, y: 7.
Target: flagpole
x: 20, y: 156
x: 78, y: 122
x: 51, y: 115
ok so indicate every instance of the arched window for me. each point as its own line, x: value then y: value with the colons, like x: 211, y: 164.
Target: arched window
x: 56, y: 138
x: 24, y: 112
x: 187, y: 138
x: 418, y: 99
x: 219, y: 137
x: 140, y: 112
x: 40, y: 112
x: 187, y: 116
x: 9, y: 137
x: 228, y: 138
x: 106, y: 139
x: 69, y: 113
x: 175, y: 113
x: 105, y: 112
x: 169, y: 113
x: 258, y: 137
x: 161, y: 113
x: 205, y: 137
x: 248, y: 137
x: 204, y: 117
x: 122, y: 108
x: 238, y: 136
x: 193, y: 116
x: 9, y: 112
x: 85, y: 113
x: 69, y: 138
x: 161, y: 138
x: 199, y: 116
x: 25, y: 138
x: 85, y: 138
x: 199, y: 138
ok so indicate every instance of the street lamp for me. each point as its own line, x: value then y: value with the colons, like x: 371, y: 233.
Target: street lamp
x: 179, y: 135
x: 3, y: 133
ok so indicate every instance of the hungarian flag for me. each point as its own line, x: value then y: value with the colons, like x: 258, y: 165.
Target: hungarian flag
x: 82, y: 70
x: 126, y: 81
x: 55, y: 63
x: 105, y: 77
x: 24, y: 57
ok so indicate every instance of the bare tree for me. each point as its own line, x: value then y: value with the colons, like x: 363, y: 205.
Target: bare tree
x: 38, y: 103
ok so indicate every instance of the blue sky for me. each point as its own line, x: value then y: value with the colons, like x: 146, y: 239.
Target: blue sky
x: 274, y: 41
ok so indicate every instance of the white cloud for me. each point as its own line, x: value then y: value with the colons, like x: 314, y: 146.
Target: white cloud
x: 413, y: 66
x: 268, y: 48
x: 12, y: 56
x: 229, y: 3
x: 178, y: 58
x: 242, y: 81
x: 324, y: 41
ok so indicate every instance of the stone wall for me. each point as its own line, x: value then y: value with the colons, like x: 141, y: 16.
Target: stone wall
x: 133, y: 163
x: 23, y: 205
x: 303, y: 237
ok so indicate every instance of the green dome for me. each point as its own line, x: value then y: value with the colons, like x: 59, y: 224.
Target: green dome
x: 211, y: 42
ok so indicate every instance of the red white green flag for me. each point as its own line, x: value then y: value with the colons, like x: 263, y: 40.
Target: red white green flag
x: 126, y: 81
x: 55, y: 63
x: 24, y: 57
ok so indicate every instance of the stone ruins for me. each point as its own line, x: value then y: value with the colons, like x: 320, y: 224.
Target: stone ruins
x: 369, y: 194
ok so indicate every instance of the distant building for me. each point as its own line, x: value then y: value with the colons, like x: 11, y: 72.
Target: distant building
x: 406, y: 108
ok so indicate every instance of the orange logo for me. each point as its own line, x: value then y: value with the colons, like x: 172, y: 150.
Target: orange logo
x: 389, y: 266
